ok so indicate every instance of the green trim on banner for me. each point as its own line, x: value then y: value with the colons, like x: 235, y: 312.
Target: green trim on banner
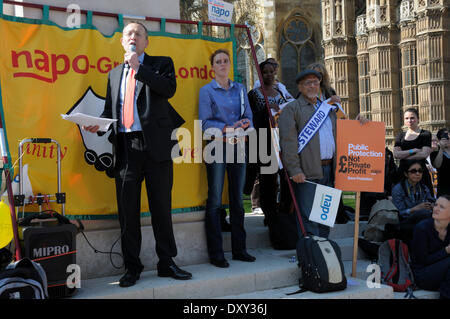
x: 120, y: 21
x: 89, y: 19
x: 163, y: 25
x: 8, y: 154
x: 235, y: 69
x: 1, y: 7
x: 200, y: 28
x: 46, y: 13
x: 118, y: 30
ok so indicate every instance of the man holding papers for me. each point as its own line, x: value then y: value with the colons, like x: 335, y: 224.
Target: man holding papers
x: 307, y: 139
x: 137, y: 96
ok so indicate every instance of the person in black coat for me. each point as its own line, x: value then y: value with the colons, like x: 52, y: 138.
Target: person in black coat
x: 430, y: 250
x: 142, y: 150
x: 415, y: 143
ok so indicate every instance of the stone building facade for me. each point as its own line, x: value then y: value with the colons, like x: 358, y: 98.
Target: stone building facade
x: 402, y: 60
x: 383, y: 56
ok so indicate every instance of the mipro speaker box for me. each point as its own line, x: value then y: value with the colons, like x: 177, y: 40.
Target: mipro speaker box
x: 54, y: 247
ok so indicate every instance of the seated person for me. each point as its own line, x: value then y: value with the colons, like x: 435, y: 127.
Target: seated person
x: 430, y: 250
x: 412, y: 199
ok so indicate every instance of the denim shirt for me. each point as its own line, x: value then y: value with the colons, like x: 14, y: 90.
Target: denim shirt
x: 405, y: 201
x: 218, y: 107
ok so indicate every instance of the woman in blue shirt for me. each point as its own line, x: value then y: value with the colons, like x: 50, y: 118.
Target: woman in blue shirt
x: 430, y: 250
x: 412, y: 199
x: 225, y: 114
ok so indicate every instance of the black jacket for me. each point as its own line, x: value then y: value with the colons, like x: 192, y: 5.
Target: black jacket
x: 156, y: 83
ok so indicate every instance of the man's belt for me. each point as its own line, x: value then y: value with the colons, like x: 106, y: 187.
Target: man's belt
x: 326, y: 162
x: 231, y: 140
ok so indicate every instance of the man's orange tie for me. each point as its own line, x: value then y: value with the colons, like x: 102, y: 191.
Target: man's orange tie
x: 128, y: 104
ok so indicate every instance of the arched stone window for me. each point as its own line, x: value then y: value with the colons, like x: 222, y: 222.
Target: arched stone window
x: 296, y: 50
x: 245, y: 67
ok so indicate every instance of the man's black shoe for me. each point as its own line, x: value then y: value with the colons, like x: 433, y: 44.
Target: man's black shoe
x: 174, y: 272
x: 221, y: 263
x: 129, y: 279
x: 244, y: 256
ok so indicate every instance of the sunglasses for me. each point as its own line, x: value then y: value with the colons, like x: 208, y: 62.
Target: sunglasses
x: 415, y: 171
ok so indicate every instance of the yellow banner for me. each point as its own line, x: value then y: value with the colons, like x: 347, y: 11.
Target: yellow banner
x: 47, y: 71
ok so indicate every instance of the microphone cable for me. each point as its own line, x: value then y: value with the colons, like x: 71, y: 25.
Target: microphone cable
x: 123, y: 228
x: 122, y: 232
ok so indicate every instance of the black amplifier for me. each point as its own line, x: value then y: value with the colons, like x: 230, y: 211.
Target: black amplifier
x: 54, y: 247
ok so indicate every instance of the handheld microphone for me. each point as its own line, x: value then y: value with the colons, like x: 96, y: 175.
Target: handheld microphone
x: 132, y: 49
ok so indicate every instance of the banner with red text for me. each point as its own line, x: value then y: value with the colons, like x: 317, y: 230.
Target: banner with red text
x: 46, y: 71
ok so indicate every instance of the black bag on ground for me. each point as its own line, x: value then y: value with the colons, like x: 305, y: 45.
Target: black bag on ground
x: 24, y: 279
x: 283, y: 231
x: 321, y: 265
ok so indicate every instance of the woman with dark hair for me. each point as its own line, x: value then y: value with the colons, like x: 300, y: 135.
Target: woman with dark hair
x: 411, y: 196
x: 415, y: 143
x: 440, y: 159
x: 430, y: 250
x: 268, y: 183
x: 224, y: 111
x: 412, y: 199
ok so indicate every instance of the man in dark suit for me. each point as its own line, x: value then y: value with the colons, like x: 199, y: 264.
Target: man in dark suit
x: 137, y: 96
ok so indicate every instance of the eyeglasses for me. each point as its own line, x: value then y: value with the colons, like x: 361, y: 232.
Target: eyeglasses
x: 415, y: 171
x: 311, y: 82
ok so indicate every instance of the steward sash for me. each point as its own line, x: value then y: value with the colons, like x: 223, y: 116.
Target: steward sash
x: 314, y: 124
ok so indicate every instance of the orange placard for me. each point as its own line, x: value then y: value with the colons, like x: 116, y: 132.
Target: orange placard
x: 360, y: 153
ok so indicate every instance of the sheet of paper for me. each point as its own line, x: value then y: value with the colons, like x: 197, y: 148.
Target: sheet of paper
x: 88, y: 120
x: 281, y: 107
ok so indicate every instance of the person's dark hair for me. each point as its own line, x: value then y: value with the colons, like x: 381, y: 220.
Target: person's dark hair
x: 404, y: 168
x: 137, y: 22
x: 446, y: 196
x: 263, y: 64
x: 272, y: 61
x: 407, y: 163
x: 218, y: 51
x: 441, y: 133
x: 412, y: 110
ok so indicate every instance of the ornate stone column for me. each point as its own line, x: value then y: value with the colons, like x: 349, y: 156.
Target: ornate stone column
x: 408, y: 52
x: 384, y: 65
x: 363, y: 67
x: 338, y: 28
x: 433, y: 54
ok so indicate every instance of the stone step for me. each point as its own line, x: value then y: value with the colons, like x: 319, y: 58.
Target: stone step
x: 191, y: 244
x: 356, y: 289
x: 274, y: 274
x: 269, y: 271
